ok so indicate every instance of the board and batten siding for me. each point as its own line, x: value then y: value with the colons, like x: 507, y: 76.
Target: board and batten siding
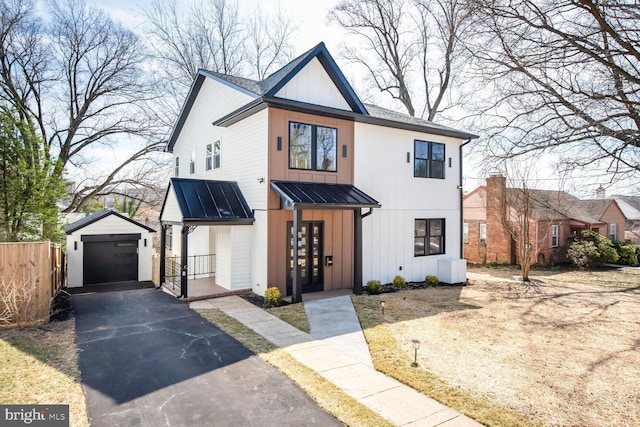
x: 381, y: 170
x: 233, y: 257
x: 107, y: 225
x: 322, y: 92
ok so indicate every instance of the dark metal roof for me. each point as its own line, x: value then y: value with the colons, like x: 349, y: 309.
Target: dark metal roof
x: 314, y: 195
x: 211, y: 202
x: 97, y: 216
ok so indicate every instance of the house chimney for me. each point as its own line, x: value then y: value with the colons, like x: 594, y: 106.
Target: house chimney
x: 600, y: 192
x: 499, y: 241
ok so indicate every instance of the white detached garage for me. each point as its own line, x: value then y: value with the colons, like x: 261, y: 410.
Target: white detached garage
x: 108, y: 247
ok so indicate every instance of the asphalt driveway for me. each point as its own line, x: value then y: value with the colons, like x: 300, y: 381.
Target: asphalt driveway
x: 146, y: 359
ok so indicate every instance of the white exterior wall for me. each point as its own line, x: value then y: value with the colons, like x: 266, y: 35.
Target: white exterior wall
x: 233, y: 257
x: 108, y: 225
x: 381, y: 170
x: 243, y: 158
x: 243, y: 146
x: 321, y: 92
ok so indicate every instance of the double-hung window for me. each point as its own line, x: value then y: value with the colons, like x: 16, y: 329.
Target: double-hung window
x: 555, y: 236
x: 208, y: 157
x: 428, y: 159
x: 212, y: 157
x: 192, y: 162
x: 465, y: 232
x: 428, y: 237
x: 483, y: 234
x: 613, y: 231
x: 176, y: 167
x: 312, y: 147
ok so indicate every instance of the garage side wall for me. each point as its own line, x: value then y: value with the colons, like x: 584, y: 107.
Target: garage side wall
x: 108, y: 225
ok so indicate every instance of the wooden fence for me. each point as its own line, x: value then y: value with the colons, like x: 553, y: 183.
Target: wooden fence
x: 37, y: 263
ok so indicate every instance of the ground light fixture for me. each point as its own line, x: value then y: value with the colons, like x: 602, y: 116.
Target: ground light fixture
x: 416, y: 345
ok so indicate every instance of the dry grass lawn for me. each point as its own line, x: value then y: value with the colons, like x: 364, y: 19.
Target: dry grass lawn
x: 562, y: 350
x: 39, y: 365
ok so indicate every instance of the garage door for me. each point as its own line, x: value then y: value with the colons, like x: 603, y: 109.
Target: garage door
x: 107, y: 262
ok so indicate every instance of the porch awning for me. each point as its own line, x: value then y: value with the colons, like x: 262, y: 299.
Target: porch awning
x: 313, y: 195
x: 204, y: 202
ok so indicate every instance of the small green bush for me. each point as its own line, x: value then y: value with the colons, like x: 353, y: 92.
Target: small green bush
x: 431, y: 280
x: 399, y: 282
x: 591, y: 248
x: 374, y: 286
x: 627, y: 252
x: 272, y: 297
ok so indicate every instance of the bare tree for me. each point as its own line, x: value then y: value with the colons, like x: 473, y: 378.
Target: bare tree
x: 268, y: 46
x: 78, y: 76
x: 565, y: 78
x: 411, y: 48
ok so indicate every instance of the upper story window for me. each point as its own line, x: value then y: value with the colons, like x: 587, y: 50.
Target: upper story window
x: 192, y: 162
x: 216, y: 155
x: 428, y: 237
x: 613, y: 231
x: 555, y: 236
x: 428, y: 159
x: 208, y: 157
x: 212, y: 157
x: 312, y: 147
x: 176, y: 168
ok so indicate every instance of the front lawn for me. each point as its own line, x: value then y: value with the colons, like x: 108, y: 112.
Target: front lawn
x: 561, y: 350
x: 39, y: 365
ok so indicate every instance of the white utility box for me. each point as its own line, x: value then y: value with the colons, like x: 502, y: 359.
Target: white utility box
x: 452, y: 270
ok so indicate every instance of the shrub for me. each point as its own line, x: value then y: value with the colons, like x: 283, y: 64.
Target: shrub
x: 431, y: 280
x: 399, y: 282
x: 374, y: 286
x: 272, y: 297
x: 627, y: 253
x: 591, y: 248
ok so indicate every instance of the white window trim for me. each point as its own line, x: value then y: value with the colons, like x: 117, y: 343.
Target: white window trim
x: 465, y: 232
x: 483, y: 234
x: 613, y: 231
x: 192, y: 162
x: 218, y: 164
x: 208, y: 157
x: 555, y: 236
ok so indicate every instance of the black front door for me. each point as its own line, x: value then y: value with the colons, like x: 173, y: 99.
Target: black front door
x: 309, y: 256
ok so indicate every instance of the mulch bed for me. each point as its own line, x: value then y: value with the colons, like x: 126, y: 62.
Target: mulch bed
x: 259, y: 301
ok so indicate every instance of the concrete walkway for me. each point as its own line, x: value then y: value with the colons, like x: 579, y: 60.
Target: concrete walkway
x: 393, y: 400
x: 335, y: 322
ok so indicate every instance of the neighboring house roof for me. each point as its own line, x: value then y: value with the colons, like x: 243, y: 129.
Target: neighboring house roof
x: 263, y: 94
x: 97, y: 216
x: 552, y: 205
x: 312, y: 195
x: 210, y: 202
x: 630, y: 206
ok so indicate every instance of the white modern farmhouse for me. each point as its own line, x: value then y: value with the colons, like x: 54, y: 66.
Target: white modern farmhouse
x: 292, y: 182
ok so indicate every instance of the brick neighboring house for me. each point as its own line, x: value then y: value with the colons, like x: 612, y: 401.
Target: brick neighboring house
x: 556, y: 217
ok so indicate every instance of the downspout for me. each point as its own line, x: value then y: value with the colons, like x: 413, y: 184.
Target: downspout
x: 461, y: 201
x: 357, y: 249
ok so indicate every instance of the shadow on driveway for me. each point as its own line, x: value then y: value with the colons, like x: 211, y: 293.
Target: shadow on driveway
x: 147, y: 359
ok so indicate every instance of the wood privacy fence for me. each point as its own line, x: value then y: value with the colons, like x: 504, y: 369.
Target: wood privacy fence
x: 40, y: 265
